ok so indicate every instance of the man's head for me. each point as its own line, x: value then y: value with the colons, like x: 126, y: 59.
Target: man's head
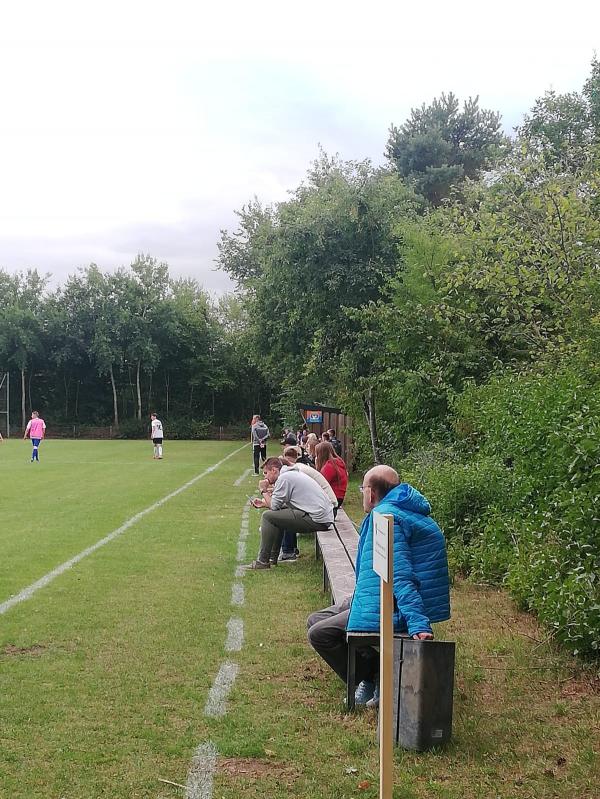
x: 376, y: 483
x: 271, y: 469
x: 331, y: 432
x: 34, y: 414
x: 153, y: 416
x: 291, y: 454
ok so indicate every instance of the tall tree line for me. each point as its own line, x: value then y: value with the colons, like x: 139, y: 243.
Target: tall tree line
x: 108, y: 347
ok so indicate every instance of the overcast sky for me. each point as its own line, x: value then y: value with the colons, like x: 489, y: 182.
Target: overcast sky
x: 133, y: 127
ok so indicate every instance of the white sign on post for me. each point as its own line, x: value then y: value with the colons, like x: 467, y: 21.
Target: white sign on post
x: 383, y: 565
x: 381, y: 545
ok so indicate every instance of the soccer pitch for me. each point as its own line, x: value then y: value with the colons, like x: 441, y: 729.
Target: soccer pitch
x: 105, y: 670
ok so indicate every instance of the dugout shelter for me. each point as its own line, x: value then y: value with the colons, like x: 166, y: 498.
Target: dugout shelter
x: 319, y: 418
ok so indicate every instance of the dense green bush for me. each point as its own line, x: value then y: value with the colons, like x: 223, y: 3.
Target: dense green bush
x: 182, y: 427
x: 179, y: 427
x: 522, y: 503
x: 459, y: 492
x: 133, y: 428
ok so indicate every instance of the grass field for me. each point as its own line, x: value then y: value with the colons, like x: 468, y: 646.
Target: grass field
x: 105, y: 672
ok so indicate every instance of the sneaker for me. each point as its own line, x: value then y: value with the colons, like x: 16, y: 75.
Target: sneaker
x: 273, y: 562
x: 288, y: 557
x: 257, y: 565
x: 364, y: 692
x: 374, y: 701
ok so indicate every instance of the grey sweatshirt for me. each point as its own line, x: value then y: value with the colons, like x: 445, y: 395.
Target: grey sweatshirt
x: 260, y: 433
x: 293, y: 489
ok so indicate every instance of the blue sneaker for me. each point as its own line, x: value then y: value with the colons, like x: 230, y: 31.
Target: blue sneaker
x: 374, y: 701
x: 364, y: 692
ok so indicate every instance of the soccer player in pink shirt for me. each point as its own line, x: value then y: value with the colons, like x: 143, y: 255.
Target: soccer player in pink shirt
x: 36, y: 429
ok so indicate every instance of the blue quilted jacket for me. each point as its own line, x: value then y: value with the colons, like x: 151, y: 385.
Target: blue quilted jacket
x: 421, y: 585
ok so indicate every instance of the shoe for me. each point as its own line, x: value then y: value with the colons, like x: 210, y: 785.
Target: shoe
x: 364, y: 692
x: 273, y: 562
x: 257, y: 565
x: 256, y: 474
x: 374, y: 701
x: 288, y: 557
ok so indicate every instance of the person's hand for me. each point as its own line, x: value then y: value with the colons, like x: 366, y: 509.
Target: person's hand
x: 423, y: 636
x: 263, y: 485
x: 259, y: 503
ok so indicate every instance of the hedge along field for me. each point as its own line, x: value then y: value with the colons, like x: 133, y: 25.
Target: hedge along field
x: 520, y: 500
x: 104, y: 673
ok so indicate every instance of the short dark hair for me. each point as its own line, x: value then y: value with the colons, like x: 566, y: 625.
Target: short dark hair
x: 272, y: 463
x: 331, y: 432
x: 381, y: 487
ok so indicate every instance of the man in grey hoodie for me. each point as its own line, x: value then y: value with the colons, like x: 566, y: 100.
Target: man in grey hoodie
x: 259, y: 436
x: 297, y: 503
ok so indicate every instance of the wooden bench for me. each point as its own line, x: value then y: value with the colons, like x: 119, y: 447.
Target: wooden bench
x: 338, y: 547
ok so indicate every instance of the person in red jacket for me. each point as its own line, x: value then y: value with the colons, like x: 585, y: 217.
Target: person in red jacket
x: 333, y: 469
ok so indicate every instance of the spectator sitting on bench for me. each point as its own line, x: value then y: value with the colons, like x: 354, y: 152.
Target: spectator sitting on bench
x: 311, y: 443
x: 333, y: 470
x: 421, y: 584
x: 297, y: 503
x: 289, y: 544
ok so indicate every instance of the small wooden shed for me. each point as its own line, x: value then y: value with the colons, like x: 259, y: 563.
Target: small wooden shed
x: 320, y: 418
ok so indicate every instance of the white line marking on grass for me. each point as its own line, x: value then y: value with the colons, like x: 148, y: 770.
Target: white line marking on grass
x: 217, y: 696
x: 200, y: 775
x: 204, y: 762
x: 28, y: 592
x: 237, y: 594
x: 235, y: 635
x: 242, y: 477
x: 241, y: 552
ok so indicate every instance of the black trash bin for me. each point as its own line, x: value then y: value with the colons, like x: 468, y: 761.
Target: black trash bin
x: 423, y: 692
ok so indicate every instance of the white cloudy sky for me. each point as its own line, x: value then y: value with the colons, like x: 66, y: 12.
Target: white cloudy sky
x: 133, y: 127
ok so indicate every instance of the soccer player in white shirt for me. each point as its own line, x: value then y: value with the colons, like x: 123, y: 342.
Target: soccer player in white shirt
x: 156, y: 435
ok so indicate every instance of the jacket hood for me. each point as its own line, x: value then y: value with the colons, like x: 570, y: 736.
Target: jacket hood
x: 262, y: 425
x: 407, y: 498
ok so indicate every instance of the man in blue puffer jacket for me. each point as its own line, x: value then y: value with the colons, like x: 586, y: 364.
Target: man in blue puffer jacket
x: 421, y: 584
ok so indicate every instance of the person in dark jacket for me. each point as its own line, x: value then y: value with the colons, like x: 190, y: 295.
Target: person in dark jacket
x: 421, y: 582
x: 259, y: 433
x: 335, y: 442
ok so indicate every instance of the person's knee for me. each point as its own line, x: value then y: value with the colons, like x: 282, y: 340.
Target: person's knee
x: 324, y: 635
x: 312, y: 619
x: 312, y: 633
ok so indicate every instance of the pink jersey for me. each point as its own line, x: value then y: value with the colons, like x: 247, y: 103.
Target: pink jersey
x: 35, y: 428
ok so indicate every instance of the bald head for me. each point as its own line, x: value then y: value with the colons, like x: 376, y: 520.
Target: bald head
x: 378, y: 482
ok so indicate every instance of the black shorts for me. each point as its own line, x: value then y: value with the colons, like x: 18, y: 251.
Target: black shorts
x: 157, y: 441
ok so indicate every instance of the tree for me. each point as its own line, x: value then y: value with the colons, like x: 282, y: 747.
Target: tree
x: 145, y: 291
x: 21, y: 310
x: 332, y: 246
x: 440, y: 146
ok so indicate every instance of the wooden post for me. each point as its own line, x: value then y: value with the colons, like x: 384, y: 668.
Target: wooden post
x: 383, y: 564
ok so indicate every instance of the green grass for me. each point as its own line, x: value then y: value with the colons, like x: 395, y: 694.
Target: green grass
x: 104, y: 673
